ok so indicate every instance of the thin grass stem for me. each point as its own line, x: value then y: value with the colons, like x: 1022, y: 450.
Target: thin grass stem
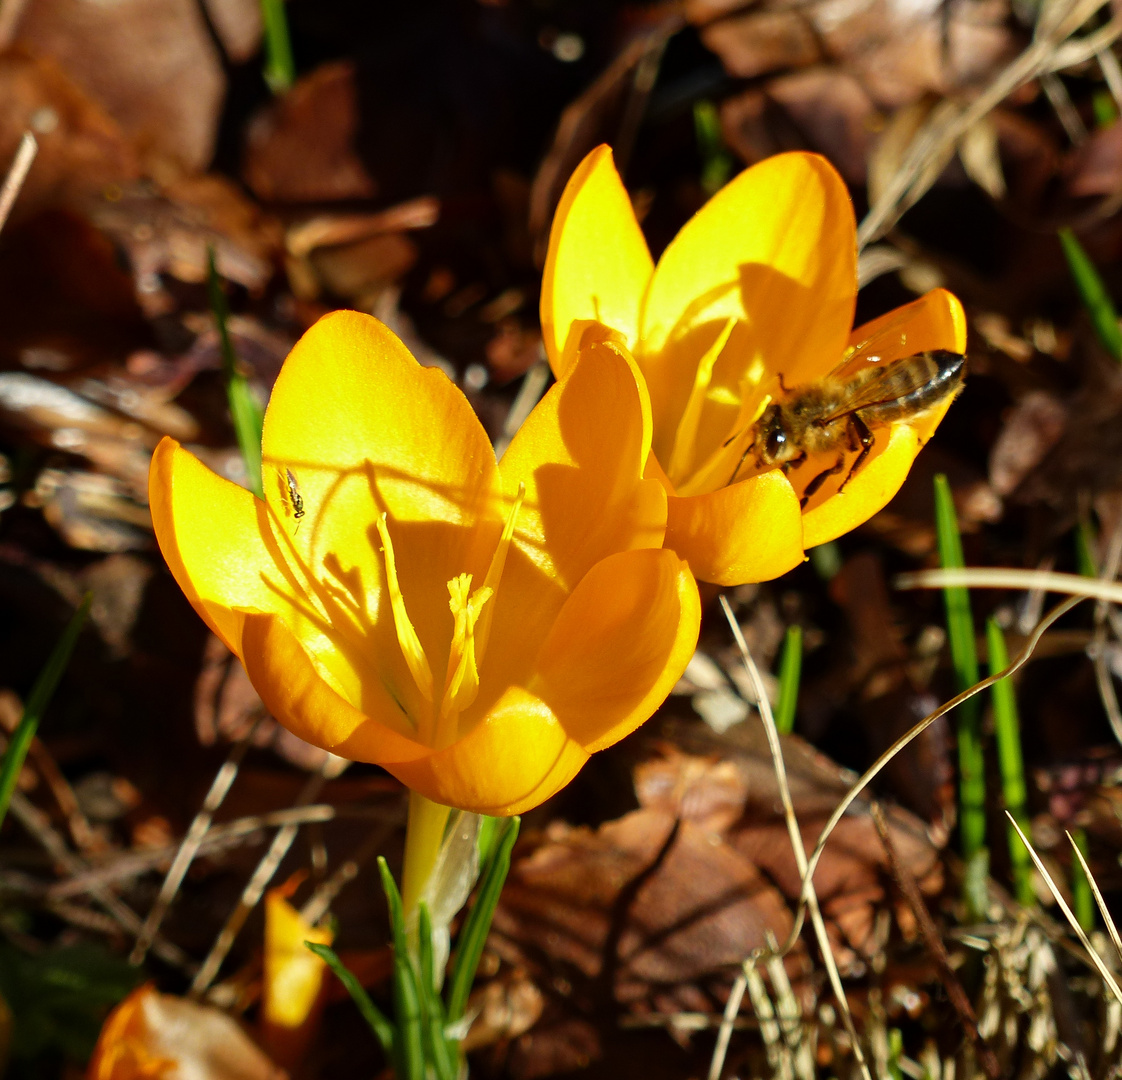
x: 37, y: 701
x: 964, y: 659
x: 245, y: 410
x: 1007, y: 735
x: 1093, y: 293
x: 790, y: 670
x: 280, y: 68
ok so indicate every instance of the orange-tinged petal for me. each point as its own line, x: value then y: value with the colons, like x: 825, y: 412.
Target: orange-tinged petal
x: 934, y: 321
x: 302, y: 700
x: 365, y: 430
x: 293, y: 974
x: 581, y: 455
x: 210, y: 533
x: 514, y: 758
x: 598, y: 265
x: 750, y: 531
x: 619, y: 645
x: 775, y: 249
x: 870, y: 489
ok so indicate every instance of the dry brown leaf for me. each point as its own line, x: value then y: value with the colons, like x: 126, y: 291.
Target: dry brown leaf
x: 1095, y: 167
x: 82, y: 151
x: 301, y: 148
x: 761, y: 42
x: 979, y: 152
x: 151, y: 64
x: 238, y: 25
x: 1030, y: 429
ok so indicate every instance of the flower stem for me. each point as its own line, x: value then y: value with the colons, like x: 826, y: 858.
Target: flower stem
x: 423, y: 835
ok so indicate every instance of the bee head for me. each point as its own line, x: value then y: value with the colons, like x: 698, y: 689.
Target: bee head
x: 771, y: 438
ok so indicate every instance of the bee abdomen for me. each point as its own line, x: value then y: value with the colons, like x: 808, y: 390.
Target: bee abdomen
x: 926, y: 380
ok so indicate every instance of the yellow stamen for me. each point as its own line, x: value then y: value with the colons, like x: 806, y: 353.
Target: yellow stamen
x: 686, y: 435
x: 463, y: 674
x: 411, y: 649
x: 495, y: 572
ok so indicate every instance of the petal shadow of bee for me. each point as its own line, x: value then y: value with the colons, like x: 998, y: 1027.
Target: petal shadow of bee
x: 836, y: 414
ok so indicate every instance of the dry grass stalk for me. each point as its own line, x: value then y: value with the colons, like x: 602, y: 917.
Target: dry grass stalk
x: 808, y: 896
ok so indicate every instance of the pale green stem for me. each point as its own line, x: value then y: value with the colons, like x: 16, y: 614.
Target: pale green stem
x: 423, y: 835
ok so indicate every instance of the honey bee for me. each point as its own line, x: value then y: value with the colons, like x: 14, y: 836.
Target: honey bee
x: 836, y: 414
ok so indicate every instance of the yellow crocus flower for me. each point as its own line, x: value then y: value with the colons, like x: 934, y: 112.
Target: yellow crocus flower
x: 754, y: 297
x: 401, y: 598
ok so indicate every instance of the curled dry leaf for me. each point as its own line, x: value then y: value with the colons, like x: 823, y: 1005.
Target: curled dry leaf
x: 151, y: 64
x: 301, y: 147
x: 153, y: 1034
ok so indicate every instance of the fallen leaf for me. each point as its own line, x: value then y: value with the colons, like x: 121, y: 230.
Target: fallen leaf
x: 151, y: 1034
x: 151, y: 64
x: 301, y: 147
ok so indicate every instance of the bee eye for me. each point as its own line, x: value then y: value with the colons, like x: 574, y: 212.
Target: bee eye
x: 776, y: 440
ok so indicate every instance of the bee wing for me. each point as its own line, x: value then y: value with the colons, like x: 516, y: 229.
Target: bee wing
x: 909, y: 379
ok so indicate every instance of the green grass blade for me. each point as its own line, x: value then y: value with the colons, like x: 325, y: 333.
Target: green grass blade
x: 1085, y: 562
x: 964, y: 658
x: 1093, y: 293
x: 37, y: 701
x: 409, y: 1052
x: 473, y: 936
x: 442, y: 1056
x: 790, y: 670
x: 1082, y: 900
x: 280, y: 69
x: 378, y: 1021
x: 1103, y: 108
x: 1007, y: 734
x: 245, y: 411
x: 716, y: 161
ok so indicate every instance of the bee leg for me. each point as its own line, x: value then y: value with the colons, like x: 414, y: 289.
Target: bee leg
x: 860, y: 434
x: 820, y: 479
x: 794, y: 463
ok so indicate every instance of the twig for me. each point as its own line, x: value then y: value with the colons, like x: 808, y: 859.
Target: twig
x: 975, y: 577
x: 934, y: 942
x: 219, y: 838
x: 256, y: 885
x: 21, y: 163
x: 873, y: 771
x: 319, y: 903
x: 36, y: 823
x: 1104, y: 971
x: 194, y: 837
x: 1058, y: 20
x: 797, y: 846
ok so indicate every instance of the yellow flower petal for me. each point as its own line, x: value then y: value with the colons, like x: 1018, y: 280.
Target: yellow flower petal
x: 300, y: 698
x: 774, y: 249
x: 581, y: 455
x: 598, y: 264
x: 619, y: 645
x: 516, y: 757
x: 870, y: 490
x: 934, y: 321
x: 293, y: 973
x: 750, y: 531
x: 365, y: 430
x: 210, y: 532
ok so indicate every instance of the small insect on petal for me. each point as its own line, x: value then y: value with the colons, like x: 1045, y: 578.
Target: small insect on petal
x: 295, y: 496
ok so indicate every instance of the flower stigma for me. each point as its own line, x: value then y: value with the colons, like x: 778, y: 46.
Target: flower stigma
x: 472, y: 613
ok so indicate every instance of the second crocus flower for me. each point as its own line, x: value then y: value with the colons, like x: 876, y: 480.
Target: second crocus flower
x: 753, y: 298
